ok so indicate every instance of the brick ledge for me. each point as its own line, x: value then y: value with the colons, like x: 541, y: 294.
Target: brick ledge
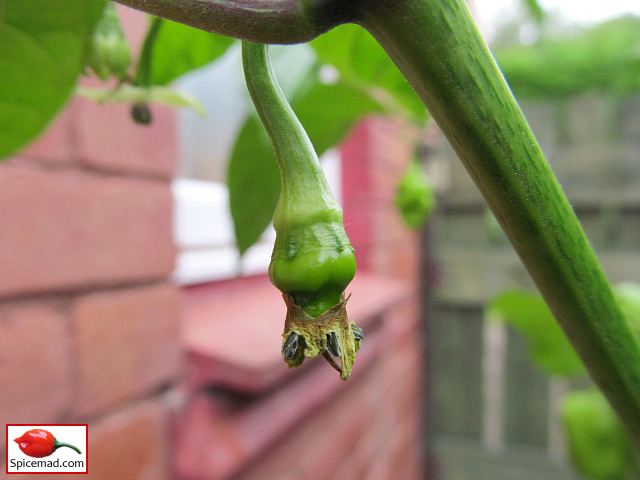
x: 232, y: 330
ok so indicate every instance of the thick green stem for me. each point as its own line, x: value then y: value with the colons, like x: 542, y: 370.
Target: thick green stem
x: 266, y: 21
x: 438, y: 48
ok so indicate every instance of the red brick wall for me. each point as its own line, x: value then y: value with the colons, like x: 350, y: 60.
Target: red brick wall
x: 89, y: 329
x: 374, y: 157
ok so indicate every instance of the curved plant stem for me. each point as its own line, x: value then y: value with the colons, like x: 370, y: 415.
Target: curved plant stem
x: 438, y: 48
x: 272, y: 21
x: 295, y: 154
x: 312, y: 260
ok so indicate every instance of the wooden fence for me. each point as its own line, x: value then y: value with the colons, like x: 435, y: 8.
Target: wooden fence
x: 494, y: 413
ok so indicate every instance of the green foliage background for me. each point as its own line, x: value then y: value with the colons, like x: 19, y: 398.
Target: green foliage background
x: 603, y: 59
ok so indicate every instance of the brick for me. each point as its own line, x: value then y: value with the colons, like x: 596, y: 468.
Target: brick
x: 354, y: 147
x: 385, y: 184
x: 217, y: 436
x: 398, y: 259
x: 391, y: 144
x: 359, y: 223
x: 55, y: 145
x: 397, y: 250
x: 374, y: 157
x: 127, y: 343
x: 107, y: 138
x: 356, y: 179
x: 213, y: 321
x: 68, y: 229
x: 381, y: 399
x: 305, y: 452
x: 36, y: 363
x: 392, y: 392
x: 275, y: 436
x: 389, y: 463
x: 389, y: 226
x: 408, y: 314
x: 135, y: 24
x: 133, y: 444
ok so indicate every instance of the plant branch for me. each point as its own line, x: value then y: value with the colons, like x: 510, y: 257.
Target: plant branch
x: 438, y: 48
x: 264, y: 21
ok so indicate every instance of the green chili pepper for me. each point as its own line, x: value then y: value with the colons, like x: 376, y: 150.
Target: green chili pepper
x: 312, y: 261
x: 109, y: 53
x: 415, y: 198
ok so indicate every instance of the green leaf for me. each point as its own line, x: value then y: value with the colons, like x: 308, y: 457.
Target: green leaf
x: 628, y: 297
x: 132, y: 94
x: 598, y: 445
x: 253, y: 179
x: 415, y: 197
x: 44, y: 45
x: 363, y: 64
x: 329, y: 111
x: 534, y: 9
x: 601, y: 59
x: 326, y: 111
x: 528, y: 314
x: 179, y: 49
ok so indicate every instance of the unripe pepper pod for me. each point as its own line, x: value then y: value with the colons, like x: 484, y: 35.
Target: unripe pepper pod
x: 415, y: 196
x: 109, y: 52
x: 40, y: 443
x: 312, y: 261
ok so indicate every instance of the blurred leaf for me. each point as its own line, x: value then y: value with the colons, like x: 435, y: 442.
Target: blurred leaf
x: 628, y: 296
x: 44, y: 46
x: 604, y: 59
x: 326, y: 111
x: 528, y: 314
x: 132, y: 94
x: 179, y: 49
x: 415, y: 197
x: 109, y: 52
x: 329, y: 111
x: 598, y: 445
x: 534, y: 9
x: 363, y: 64
x: 296, y: 68
x: 253, y: 179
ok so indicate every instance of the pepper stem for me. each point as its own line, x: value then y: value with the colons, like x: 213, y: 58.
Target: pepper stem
x: 57, y: 445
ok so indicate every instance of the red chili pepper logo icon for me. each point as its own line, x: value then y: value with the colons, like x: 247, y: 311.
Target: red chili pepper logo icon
x: 39, y: 443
